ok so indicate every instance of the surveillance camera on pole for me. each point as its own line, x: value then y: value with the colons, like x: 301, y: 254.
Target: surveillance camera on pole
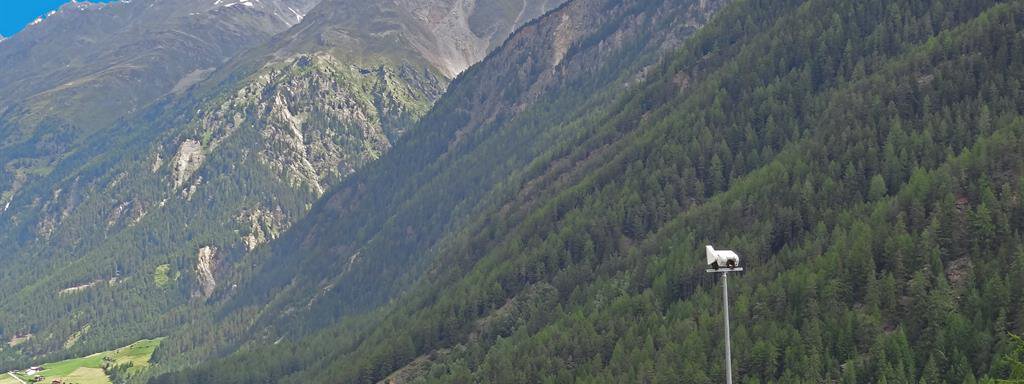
x: 724, y: 261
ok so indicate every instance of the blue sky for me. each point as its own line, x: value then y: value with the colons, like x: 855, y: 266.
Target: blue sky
x: 16, y: 14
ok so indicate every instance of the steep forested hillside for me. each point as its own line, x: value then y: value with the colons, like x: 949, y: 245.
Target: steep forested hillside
x: 365, y: 242
x: 864, y: 157
x: 147, y: 221
x: 76, y: 94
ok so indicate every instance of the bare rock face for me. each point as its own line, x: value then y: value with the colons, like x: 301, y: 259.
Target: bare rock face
x: 451, y: 35
x: 205, y: 267
x: 88, y: 65
x: 80, y: 287
x: 314, y: 119
x: 261, y: 226
x: 188, y: 159
x: 465, y: 31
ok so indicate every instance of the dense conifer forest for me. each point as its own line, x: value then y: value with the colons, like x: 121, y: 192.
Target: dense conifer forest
x: 544, y: 221
x: 863, y: 157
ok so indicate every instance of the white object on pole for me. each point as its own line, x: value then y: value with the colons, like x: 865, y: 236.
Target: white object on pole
x: 728, y: 347
x: 730, y: 261
x: 723, y: 258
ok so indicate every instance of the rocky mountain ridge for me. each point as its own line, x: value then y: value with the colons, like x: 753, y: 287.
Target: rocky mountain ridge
x: 189, y: 186
x: 395, y: 223
x: 369, y: 231
x: 74, y: 74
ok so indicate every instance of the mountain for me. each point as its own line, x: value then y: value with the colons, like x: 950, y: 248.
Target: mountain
x: 364, y: 230
x: 353, y: 200
x: 85, y: 49
x: 70, y: 83
x: 545, y: 221
x: 86, y: 65
x: 449, y: 34
x: 368, y: 240
x: 373, y: 229
x: 149, y: 217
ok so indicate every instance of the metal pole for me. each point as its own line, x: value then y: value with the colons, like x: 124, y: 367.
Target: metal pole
x: 728, y: 349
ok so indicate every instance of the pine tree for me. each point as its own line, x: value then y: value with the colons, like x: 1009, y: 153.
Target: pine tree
x: 877, y: 189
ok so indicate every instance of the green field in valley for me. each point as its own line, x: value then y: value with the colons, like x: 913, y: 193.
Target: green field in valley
x: 89, y: 369
x: 7, y: 379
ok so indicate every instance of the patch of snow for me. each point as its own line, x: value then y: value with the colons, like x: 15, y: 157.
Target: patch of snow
x: 36, y: 21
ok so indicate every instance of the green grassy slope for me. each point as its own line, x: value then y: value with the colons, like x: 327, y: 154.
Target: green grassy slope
x: 134, y: 358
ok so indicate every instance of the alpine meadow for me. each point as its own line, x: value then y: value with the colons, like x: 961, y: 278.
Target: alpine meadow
x: 513, y: 191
